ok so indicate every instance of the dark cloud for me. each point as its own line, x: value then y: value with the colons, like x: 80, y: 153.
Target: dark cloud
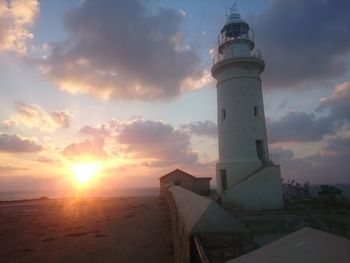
x: 120, y: 50
x: 330, y: 165
x: 158, y: 141
x: 88, y: 148
x: 338, y: 104
x: 299, y: 127
x: 303, y: 127
x: 303, y: 41
x: 17, y: 144
x: 207, y: 128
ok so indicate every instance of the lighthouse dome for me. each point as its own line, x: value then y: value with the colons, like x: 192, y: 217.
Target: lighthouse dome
x: 235, y: 37
x: 235, y: 27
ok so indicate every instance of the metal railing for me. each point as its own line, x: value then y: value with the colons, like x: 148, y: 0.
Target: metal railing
x: 275, y: 158
x: 198, y: 253
x: 219, y: 57
x: 223, y: 38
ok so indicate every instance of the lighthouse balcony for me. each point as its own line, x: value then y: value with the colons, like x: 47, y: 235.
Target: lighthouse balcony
x: 236, y: 53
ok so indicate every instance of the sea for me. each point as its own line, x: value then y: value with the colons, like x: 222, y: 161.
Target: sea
x: 29, y: 195
x: 146, y: 191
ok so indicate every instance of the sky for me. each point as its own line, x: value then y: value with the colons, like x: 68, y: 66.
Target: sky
x: 126, y: 86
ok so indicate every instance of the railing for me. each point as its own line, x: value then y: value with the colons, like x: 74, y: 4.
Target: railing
x: 219, y: 57
x: 275, y: 158
x: 197, y: 251
x: 223, y: 38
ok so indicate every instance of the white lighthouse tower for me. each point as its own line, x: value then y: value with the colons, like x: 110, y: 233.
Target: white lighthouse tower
x: 246, y: 177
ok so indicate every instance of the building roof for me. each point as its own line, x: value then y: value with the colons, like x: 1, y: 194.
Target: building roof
x: 305, y: 245
x: 184, y: 174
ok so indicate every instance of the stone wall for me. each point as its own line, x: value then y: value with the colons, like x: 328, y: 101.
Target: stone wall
x: 222, y: 236
x: 202, y: 186
x: 198, y: 185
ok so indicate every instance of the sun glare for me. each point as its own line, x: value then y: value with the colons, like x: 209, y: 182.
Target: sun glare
x: 84, y: 172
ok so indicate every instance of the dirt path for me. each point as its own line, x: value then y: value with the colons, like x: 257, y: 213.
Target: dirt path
x: 130, y: 229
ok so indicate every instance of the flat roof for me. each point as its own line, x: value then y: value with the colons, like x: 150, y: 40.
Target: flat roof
x: 303, y: 246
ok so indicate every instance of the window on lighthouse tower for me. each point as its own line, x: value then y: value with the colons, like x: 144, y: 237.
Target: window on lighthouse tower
x: 223, y: 114
x: 256, y: 111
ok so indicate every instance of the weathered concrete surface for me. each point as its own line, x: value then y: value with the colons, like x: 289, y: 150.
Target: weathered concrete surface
x: 222, y: 236
x: 303, y: 246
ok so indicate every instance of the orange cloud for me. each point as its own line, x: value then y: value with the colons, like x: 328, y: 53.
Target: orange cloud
x: 34, y: 116
x: 16, y: 16
x: 87, y: 148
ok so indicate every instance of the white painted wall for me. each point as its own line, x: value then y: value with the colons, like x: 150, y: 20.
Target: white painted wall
x: 239, y: 93
x: 260, y: 192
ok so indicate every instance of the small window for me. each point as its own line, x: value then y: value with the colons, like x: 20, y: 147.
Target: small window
x: 223, y: 114
x: 256, y: 111
x: 177, y: 183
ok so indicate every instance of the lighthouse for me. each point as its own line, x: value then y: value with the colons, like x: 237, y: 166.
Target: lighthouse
x: 246, y: 176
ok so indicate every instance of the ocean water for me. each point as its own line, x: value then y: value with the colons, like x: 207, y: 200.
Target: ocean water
x: 27, y: 195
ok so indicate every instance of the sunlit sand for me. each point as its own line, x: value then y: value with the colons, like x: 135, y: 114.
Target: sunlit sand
x: 130, y: 229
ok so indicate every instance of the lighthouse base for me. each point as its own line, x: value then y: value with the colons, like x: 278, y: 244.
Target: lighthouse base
x: 259, y: 191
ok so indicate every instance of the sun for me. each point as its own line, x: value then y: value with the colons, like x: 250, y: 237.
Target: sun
x: 84, y: 172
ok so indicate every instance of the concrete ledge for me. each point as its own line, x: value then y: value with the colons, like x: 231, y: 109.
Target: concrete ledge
x: 223, y: 237
x: 302, y: 246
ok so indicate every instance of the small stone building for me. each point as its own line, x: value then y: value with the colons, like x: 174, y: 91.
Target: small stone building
x: 198, y: 185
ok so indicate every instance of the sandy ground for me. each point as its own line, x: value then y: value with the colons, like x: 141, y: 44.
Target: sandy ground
x: 130, y: 229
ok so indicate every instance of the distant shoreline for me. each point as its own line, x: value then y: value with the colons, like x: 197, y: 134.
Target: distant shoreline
x: 35, y: 195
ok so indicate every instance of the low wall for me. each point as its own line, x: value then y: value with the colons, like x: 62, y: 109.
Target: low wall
x: 222, y: 236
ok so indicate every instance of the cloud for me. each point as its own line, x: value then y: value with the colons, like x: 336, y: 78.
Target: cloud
x: 5, y: 169
x: 35, y: 117
x: 29, y: 183
x: 159, y: 141
x: 207, y: 128
x: 152, y: 143
x: 119, y: 50
x: 328, y: 166
x: 46, y: 159
x: 87, y: 148
x: 303, y: 127
x: 101, y: 131
x: 303, y: 41
x: 62, y: 118
x: 338, y: 103
x: 6, y: 124
x: 16, y: 16
x: 299, y: 127
x: 18, y: 144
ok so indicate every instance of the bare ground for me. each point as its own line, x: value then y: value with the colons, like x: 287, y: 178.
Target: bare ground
x: 130, y: 229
